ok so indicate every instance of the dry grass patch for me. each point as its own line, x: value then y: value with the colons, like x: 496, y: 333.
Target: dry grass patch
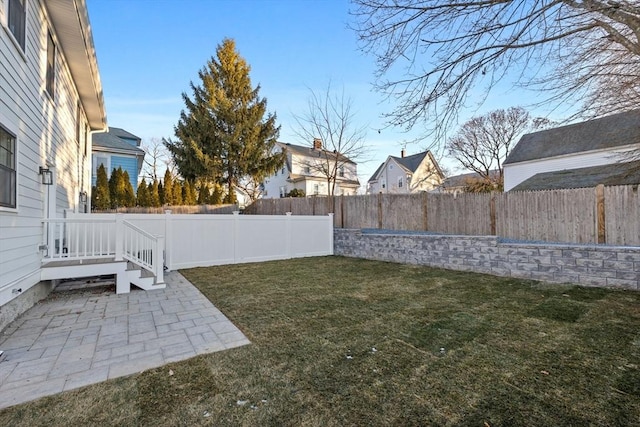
x: 338, y: 341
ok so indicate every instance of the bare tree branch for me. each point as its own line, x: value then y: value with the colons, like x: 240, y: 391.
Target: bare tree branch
x: 330, y: 119
x: 483, y: 143
x: 582, y: 53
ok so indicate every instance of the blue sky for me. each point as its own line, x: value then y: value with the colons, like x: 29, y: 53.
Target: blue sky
x: 150, y: 50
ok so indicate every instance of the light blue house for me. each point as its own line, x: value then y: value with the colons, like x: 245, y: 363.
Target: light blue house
x: 115, y: 149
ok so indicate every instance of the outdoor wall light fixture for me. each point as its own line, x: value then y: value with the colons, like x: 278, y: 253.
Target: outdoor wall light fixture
x: 47, y: 176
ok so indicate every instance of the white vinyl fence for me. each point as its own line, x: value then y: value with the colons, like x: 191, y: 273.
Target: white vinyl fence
x: 204, y: 240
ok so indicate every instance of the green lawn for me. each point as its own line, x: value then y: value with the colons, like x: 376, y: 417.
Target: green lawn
x: 338, y: 341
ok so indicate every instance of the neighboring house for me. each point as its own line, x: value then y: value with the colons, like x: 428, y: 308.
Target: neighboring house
x: 406, y: 174
x: 627, y: 173
x: 50, y: 102
x: 604, y: 141
x: 115, y: 149
x: 303, y: 171
x: 457, y: 184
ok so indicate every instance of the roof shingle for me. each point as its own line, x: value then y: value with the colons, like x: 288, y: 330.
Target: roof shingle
x: 606, y: 132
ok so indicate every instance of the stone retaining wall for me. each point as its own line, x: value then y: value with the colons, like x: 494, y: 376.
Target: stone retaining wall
x: 590, y: 265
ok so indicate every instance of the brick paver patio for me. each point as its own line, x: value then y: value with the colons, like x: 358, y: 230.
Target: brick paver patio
x: 73, y: 339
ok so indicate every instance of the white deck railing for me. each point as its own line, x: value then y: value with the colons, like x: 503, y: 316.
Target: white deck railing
x: 142, y: 248
x: 79, y: 238
x: 84, y: 238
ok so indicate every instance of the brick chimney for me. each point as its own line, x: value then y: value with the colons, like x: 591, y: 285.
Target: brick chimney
x: 402, y: 153
x: 317, y: 144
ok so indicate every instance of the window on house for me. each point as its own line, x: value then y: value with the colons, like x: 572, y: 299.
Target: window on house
x: 341, y: 172
x: 78, y: 123
x: 384, y: 184
x: 400, y: 181
x: 16, y: 21
x: 7, y: 169
x: 51, y: 65
x: 283, y: 191
x: 316, y: 189
x: 307, y: 170
x: 101, y: 160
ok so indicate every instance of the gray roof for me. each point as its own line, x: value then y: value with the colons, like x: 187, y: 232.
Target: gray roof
x: 109, y: 141
x: 121, y: 133
x: 411, y: 163
x: 463, y: 179
x: 311, y: 152
x: 613, y: 174
x: 606, y: 132
x: 375, y: 174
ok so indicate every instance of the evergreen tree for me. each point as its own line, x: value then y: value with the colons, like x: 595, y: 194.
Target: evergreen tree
x: 223, y: 135
x: 160, y: 193
x: 204, y: 193
x: 154, y: 197
x: 189, y: 193
x: 100, y: 197
x: 117, y: 189
x: 216, y: 195
x: 167, y: 185
x: 176, y: 193
x: 129, y: 194
x: 143, y: 194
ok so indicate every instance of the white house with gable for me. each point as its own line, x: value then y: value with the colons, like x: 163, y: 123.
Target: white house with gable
x: 594, y: 143
x: 50, y: 102
x: 307, y: 168
x: 406, y: 174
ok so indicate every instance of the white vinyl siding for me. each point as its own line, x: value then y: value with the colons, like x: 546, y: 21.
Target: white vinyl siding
x: 45, y: 136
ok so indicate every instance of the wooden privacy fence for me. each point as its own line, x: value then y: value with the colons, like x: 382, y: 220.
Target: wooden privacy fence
x: 608, y: 215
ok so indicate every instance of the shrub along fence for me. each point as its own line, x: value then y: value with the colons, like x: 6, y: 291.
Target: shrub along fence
x: 183, y: 209
x: 608, y: 215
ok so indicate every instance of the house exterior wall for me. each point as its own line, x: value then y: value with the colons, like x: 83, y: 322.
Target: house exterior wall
x: 387, y: 181
x: 426, y: 178
x: 308, y: 179
x: 50, y: 131
x: 127, y: 163
x: 423, y: 179
x: 515, y: 173
x: 273, y: 184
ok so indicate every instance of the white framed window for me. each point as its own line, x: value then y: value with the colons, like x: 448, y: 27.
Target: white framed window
x: 50, y: 79
x: 283, y: 191
x: 307, y: 170
x: 8, y: 187
x: 400, y: 182
x: 316, y: 189
x: 101, y: 159
x: 341, y: 171
x: 16, y: 21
